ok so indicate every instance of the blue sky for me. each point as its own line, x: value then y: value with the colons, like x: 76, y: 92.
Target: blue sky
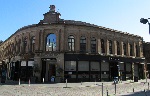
x: 122, y: 15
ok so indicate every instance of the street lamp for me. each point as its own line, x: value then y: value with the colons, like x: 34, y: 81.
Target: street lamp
x: 144, y: 21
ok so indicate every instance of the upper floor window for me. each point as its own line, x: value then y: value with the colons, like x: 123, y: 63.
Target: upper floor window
x: 124, y: 48
x: 110, y: 47
x: 136, y: 48
x: 118, y: 48
x: 33, y: 44
x: 51, y: 42
x: 71, y: 43
x: 131, y: 50
x: 25, y: 44
x: 102, y: 46
x: 82, y: 44
x: 93, y: 45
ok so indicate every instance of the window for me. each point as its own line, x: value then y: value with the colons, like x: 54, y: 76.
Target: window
x: 93, y: 45
x: 136, y: 48
x: 33, y: 44
x: 51, y: 42
x: 102, y: 46
x: 110, y: 47
x: 82, y: 44
x: 118, y: 48
x: 71, y: 43
x: 124, y: 48
x: 131, y: 50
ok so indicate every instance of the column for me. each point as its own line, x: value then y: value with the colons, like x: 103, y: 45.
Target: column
x: 141, y: 50
x: 128, y: 49
x: 62, y: 38
x: 134, y: 49
x: 29, y: 42
x: 133, y: 71
x: 125, y: 70
x: 37, y: 39
x: 77, y: 42
x: 89, y: 43
x: 42, y: 40
x: 99, y: 45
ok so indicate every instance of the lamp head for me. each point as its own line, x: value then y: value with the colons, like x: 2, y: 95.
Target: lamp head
x: 144, y: 21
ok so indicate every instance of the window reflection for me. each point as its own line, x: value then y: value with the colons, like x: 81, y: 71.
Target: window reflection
x: 71, y: 43
x: 51, y: 42
x: 93, y: 45
x: 102, y: 46
x: 110, y: 47
x: 131, y: 50
x: 118, y: 48
x: 82, y: 44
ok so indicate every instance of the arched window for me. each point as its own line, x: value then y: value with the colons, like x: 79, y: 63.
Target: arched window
x: 82, y: 44
x: 71, y: 43
x: 131, y: 50
x: 110, y: 47
x: 118, y: 48
x: 32, y: 44
x: 25, y: 44
x: 124, y: 48
x: 136, y: 48
x: 51, y: 42
x: 102, y: 46
x: 93, y: 45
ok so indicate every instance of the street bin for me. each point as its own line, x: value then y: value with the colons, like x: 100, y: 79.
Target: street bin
x: 53, y: 79
x: 135, y: 79
x: 115, y: 80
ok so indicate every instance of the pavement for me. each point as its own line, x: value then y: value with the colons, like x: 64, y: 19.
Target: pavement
x: 124, y: 88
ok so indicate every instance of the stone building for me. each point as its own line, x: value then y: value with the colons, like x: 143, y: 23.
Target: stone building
x: 146, y: 53
x: 71, y: 49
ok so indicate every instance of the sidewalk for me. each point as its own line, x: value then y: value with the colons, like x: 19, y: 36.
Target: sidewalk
x: 73, y: 89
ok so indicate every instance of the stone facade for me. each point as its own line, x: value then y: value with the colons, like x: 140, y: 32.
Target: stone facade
x: 21, y: 46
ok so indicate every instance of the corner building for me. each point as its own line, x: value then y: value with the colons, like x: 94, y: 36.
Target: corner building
x: 71, y: 49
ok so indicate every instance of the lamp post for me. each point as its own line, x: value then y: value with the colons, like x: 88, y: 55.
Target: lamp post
x: 144, y: 21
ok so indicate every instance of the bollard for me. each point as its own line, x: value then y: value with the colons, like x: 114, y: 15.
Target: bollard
x: 107, y: 92
x: 43, y: 80
x: 19, y: 81
x: 66, y: 83
x: 148, y: 85
x: 81, y: 82
x: 115, y: 88
x: 29, y: 82
x: 133, y: 89
x: 102, y: 89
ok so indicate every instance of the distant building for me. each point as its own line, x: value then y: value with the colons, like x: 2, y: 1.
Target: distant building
x: 70, y: 49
